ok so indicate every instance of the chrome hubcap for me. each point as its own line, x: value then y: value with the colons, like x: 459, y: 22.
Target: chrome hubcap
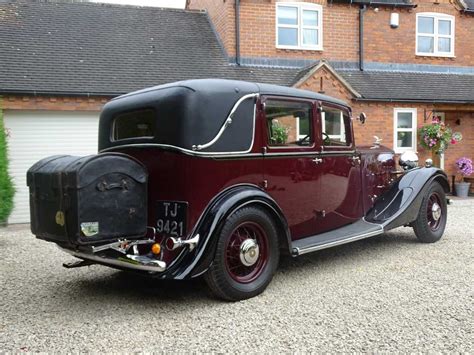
x: 436, y: 211
x: 249, y: 252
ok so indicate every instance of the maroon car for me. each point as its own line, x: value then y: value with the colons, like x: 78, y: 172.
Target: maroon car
x: 219, y: 178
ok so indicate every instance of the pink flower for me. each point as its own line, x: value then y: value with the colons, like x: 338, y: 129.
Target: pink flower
x: 453, y: 141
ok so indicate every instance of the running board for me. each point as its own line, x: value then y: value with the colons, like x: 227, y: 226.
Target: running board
x: 350, y: 233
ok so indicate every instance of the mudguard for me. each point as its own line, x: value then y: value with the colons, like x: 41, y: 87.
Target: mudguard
x: 194, y: 263
x: 401, y: 204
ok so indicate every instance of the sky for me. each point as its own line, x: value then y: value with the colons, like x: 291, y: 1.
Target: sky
x: 158, y: 3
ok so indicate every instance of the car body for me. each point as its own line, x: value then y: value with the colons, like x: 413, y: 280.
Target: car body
x: 229, y: 175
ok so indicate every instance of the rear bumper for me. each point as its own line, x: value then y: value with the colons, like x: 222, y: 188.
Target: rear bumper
x: 124, y: 262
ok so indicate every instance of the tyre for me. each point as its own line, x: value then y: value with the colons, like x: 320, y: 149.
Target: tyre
x: 246, y: 257
x: 431, y: 222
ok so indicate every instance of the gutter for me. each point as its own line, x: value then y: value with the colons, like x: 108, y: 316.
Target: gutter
x: 380, y: 4
x: 237, y: 32
x: 58, y: 93
x: 363, y: 99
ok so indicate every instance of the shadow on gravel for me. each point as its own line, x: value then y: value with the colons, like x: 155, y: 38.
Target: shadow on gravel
x: 128, y: 287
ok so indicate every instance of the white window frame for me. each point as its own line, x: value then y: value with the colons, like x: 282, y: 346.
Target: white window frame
x: 414, y: 117
x: 436, y: 18
x: 299, y: 26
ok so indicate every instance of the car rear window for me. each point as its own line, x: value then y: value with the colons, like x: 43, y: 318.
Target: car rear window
x: 135, y: 124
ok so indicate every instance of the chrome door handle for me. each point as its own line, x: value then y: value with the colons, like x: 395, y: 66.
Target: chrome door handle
x: 317, y: 160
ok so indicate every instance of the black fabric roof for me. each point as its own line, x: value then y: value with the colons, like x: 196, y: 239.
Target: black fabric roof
x: 89, y: 48
x: 411, y: 86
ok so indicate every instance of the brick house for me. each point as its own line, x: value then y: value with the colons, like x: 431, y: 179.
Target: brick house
x: 400, y: 62
x: 61, y: 61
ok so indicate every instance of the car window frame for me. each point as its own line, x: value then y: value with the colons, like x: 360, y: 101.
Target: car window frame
x: 290, y: 148
x: 345, y: 110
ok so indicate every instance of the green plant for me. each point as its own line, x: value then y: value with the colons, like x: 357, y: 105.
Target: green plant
x: 6, y: 186
x: 279, y: 133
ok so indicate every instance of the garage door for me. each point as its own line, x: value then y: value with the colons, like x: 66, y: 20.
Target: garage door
x: 38, y: 134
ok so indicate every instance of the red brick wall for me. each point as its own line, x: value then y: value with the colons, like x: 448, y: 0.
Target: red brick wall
x: 53, y: 103
x: 340, y: 32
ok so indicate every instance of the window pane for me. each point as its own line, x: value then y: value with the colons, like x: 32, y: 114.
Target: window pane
x: 137, y: 124
x: 426, y: 24
x: 404, y: 139
x: 287, y: 36
x: 310, y: 18
x: 287, y: 15
x: 310, y: 37
x: 444, y: 45
x: 283, y: 118
x: 425, y: 44
x: 404, y: 120
x: 334, y: 129
x: 444, y: 27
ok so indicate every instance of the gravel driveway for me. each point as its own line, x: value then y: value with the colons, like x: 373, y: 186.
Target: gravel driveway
x: 388, y: 293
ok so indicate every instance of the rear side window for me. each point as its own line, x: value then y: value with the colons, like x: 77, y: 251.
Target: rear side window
x: 288, y: 123
x: 335, y: 127
x: 135, y: 124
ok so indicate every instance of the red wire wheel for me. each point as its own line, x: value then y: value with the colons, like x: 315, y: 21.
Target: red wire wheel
x: 246, y: 257
x: 246, y: 252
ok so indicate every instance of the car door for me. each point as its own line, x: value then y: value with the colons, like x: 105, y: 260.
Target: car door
x: 340, y: 175
x: 291, y: 169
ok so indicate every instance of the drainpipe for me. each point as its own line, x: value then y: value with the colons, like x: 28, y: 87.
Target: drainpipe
x: 237, y: 32
x: 362, y: 9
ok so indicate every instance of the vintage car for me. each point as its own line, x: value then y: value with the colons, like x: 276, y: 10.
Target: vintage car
x: 219, y: 178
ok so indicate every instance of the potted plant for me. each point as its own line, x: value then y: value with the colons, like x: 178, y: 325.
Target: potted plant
x: 464, y: 167
x: 436, y: 137
x: 279, y: 133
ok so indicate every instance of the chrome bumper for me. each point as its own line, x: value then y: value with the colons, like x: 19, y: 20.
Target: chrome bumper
x: 134, y: 262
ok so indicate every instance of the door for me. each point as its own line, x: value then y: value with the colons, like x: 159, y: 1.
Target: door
x: 34, y: 135
x: 291, y: 168
x: 341, y: 199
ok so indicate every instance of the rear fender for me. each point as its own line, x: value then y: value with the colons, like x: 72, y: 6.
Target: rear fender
x: 400, y: 205
x: 197, y: 261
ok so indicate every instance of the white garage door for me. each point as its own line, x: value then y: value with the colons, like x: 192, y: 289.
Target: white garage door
x: 37, y: 134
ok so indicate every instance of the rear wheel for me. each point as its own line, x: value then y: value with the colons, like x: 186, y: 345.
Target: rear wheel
x: 431, y: 222
x: 246, y: 257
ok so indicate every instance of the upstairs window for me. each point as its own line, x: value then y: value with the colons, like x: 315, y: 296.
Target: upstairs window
x: 299, y: 26
x: 434, y: 34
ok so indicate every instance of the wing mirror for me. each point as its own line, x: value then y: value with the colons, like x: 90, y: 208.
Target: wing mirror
x: 362, y: 117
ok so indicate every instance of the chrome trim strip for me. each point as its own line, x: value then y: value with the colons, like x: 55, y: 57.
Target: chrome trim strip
x: 227, y: 122
x: 302, y: 251
x: 153, y: 265
x: 197, y: 153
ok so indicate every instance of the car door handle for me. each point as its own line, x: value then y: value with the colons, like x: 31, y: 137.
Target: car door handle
x: 317, y: 160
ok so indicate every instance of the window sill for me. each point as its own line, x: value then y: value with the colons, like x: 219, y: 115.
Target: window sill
x: 314, y: 49
x: 435, y: 55
x: 403, y: 150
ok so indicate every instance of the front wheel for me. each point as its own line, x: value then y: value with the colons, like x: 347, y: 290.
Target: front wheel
x: 431, y: 222
x: 246, y: 256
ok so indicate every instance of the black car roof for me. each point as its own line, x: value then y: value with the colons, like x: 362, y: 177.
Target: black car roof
x: 223, y: 85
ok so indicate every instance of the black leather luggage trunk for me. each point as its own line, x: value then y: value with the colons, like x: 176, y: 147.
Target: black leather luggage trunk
x: 88, y: 200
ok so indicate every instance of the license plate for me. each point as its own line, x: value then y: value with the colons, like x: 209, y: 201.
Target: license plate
x: 171, y: 218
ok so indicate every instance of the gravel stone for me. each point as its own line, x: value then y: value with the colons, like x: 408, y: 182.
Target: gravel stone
x: 384, y: 294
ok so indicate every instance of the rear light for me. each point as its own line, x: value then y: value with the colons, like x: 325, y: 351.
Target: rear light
x: 156, y: 248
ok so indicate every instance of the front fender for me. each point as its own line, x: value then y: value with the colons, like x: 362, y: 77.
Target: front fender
x: 196, y: 262
x: 401, y: 204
